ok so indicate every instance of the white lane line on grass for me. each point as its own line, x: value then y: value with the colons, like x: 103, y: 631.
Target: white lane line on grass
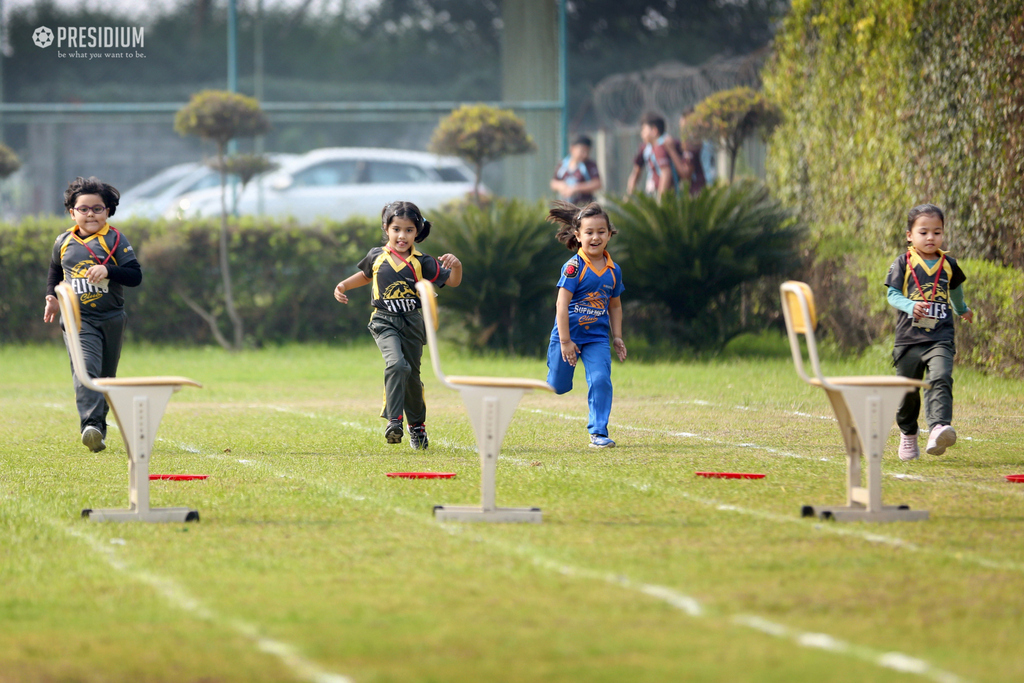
x: 687, y: 435
x: 709, y: 404
x: 685, y: 603
x: 896, y: 661
x: 178, y: 597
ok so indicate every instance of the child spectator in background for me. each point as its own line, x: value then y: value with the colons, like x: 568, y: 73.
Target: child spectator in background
x: 691, y: 152
x: 659, y: 154
x: 98, y: 262
x: 587, y: 308
x: 397, y: 321
x: 925, y: 286
x: 577, y: 179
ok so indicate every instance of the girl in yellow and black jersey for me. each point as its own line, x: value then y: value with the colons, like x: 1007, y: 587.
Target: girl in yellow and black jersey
x: 925, y: 286
x: 397, y: 322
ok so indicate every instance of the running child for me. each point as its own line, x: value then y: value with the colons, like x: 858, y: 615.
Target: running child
x: 98, y: 262
x: 587, y: 309
x: 924, y: 285
x: 397, y: 321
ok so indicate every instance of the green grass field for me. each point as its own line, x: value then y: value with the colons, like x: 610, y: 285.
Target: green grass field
x: 310, y: 565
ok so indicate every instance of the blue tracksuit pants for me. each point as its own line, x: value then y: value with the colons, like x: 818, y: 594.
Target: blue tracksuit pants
x: 597, y: 361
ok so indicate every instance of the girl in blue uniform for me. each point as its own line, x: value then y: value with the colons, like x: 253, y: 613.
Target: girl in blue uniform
x: 587, y: 309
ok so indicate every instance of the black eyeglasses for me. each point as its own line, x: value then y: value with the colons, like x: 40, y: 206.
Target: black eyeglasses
x: 99, y: 208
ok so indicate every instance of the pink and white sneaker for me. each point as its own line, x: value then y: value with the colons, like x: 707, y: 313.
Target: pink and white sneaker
x: 941, y: 438
x: 908, y: 447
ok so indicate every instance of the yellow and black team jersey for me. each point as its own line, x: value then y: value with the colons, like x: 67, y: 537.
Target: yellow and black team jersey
x: 930, y: 283
x: 73, y: 256
x: 394, y: 277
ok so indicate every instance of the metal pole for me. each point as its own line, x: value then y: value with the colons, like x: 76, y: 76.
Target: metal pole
x: 563, y: 70
x: 233, y: 81
x: 232, y: 46
x: 257, y: 87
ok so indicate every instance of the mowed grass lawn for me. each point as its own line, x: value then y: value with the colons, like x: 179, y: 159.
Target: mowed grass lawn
x: 310, y: 564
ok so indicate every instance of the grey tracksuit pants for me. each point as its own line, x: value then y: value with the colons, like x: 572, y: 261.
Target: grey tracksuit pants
x: 101, y: 347
x: 934, y: 364
x: 400, y: 338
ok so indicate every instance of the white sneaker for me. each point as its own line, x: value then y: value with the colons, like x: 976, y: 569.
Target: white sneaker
x: 93, y: 439
x: 908, y: 447
x: 941, y: 438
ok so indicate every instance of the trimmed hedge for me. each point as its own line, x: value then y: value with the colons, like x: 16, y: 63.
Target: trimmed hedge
x: 284, y: 277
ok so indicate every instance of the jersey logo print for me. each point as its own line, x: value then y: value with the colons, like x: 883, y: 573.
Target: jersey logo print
x: 571, y: 267
x: 398, y: 290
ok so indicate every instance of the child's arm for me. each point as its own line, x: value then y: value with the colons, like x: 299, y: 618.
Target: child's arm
x: 357, y: 280
x: 634, y: 175
x: 54, y: 277
x: 902, y: 303
x: 569, y: 349
x: 956, y: 298
x: 452, y: 263
x: 615, y: 317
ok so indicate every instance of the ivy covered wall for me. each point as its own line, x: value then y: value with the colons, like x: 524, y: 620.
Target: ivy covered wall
x: 890, y: 103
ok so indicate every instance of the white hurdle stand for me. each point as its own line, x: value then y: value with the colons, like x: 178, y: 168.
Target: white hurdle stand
x: 138, y: 404
x: 865, y: 408
x: 490, y: 403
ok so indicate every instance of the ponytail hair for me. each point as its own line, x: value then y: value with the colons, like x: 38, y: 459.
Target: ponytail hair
x: 568, y: 217
x: 404, y: 210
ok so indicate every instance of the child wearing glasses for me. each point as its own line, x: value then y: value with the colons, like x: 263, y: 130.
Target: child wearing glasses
x: 397, y: 321
x: 98, y: 262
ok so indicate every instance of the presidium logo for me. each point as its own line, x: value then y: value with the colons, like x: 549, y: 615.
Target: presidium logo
x: 103, y: 37
x: 42, y: 37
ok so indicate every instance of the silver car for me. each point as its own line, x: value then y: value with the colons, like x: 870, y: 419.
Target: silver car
x: 341, y: 182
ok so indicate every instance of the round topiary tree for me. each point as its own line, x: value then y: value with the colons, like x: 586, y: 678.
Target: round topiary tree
x: 480, y: 134
x: 728, y: 117
x: 221, y: 116
x: 9, y: 161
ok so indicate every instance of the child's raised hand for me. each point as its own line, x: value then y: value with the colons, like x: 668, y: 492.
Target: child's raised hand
x: 450, y: 261
x: 96, y: 273
x: 620, y: 348
x: 569, y: 352
x: 339, y: 293
x: 968, y: 317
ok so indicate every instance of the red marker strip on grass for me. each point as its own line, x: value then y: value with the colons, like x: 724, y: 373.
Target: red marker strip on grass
x: 177, y: 477
x: 729, y: 475
x: 422, y: 475
x: 1018, y: 478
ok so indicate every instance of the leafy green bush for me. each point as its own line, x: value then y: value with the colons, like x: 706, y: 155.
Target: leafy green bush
x: 691, y: 255
x: 510, y: 263
x: 286, y: 274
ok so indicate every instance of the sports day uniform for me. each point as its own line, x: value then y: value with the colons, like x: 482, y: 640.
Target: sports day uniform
x: 397, y: 325
x: 589, y: 328
x: 928, y: 344
x: 101, y: 305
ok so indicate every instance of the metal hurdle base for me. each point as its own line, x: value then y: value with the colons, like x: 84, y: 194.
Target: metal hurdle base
x: 859, y: 513
x: 151, y: 515
x: 475, y: 513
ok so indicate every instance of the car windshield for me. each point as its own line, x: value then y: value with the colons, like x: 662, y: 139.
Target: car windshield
x: 452, y: 174
x: 148, y: 189
x: 396, y: 172
x: 343, y: 172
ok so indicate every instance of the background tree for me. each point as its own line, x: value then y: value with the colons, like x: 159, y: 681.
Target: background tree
x: 729, y: 117
x: 245, y: 167
x: 221, y: 116
x: 480, y: 134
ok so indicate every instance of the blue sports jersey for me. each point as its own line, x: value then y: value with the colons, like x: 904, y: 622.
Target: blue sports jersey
x: 591, y: 292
